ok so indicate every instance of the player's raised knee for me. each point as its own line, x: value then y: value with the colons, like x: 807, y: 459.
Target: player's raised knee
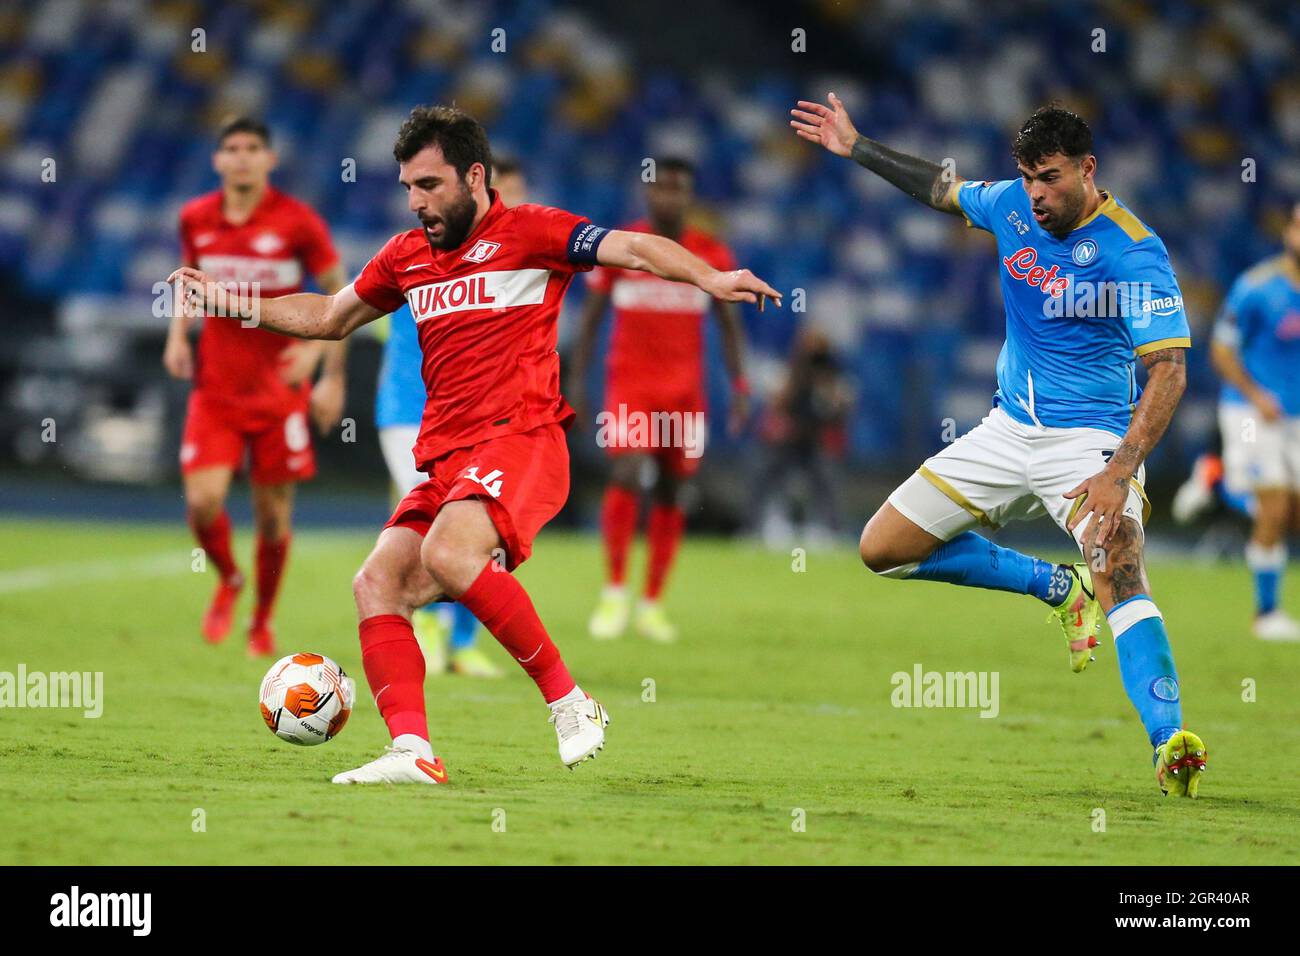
x: 874, y: 552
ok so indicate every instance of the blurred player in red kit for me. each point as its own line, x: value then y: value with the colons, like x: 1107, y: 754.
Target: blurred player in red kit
x: 484, y: 283
x: 252, y: 389
x: 656, y: 380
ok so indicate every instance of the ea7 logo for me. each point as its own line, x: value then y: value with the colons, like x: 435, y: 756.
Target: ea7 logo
x: 491, y: 482
x: 482, y: 251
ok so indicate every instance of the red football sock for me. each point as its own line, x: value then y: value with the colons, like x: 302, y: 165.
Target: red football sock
x: 394, y: 667
x: 667, y: 522
x: 214, y: 539
x: 618, y: 513
x: 502, y: 604
x: 271, y: 556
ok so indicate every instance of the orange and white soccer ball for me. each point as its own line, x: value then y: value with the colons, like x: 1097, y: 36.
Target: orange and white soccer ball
x: 307, y: 698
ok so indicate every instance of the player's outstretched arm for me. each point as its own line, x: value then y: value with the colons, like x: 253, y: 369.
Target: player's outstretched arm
x: 661, y: 256
x: 304, y: 316
x: 921, y: 179
x: 1107, y: 491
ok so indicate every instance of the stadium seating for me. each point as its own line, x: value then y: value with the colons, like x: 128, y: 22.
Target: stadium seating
x: 116, y: 95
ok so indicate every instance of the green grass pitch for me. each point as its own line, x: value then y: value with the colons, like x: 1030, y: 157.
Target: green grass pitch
x: 771, y: 737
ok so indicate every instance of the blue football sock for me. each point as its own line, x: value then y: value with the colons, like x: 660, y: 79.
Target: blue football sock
x: 977, y: 562
x: 1146, y: 666
x: 1242, y: 502
x: 464, y: 625
x: 1266, y: 564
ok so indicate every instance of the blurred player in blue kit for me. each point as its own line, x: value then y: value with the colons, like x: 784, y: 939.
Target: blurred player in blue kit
x: 1256, y: 352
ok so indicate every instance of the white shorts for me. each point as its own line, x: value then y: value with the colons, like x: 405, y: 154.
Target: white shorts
x: 1258, y: 454
x: 396, y: 442
x: 1002, y: 471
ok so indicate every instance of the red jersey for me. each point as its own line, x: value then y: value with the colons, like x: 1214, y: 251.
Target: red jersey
x: 656, y: 350
x: 283, y: 240
x: 487, y: 315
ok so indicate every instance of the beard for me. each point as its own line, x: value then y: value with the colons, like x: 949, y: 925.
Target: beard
x: 456, y: 221
x: 1059, y: 222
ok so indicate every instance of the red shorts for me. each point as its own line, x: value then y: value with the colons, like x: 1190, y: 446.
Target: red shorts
x: 673, y: 433
x: 523, y: 479
x: 217, y: 434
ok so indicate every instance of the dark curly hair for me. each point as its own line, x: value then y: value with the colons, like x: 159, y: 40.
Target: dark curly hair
x: 461, y: 138
x: 1052, y: 129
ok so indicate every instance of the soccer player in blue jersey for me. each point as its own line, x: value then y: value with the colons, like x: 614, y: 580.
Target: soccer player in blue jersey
x: 1087, y: 288
x: 1256, y: 352
x: 399, y: 406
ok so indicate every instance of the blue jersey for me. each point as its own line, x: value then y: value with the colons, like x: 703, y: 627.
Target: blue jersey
x: 1079, y: 309
x: 1260, y: 320
x: 401, y: 393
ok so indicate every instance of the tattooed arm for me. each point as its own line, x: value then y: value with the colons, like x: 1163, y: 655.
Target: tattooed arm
x: 1166, y: 381
x: 1106, y: 492
x: 921, y: 179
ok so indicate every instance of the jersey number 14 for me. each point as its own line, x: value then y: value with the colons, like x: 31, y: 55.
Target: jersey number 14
x: 491, y: 482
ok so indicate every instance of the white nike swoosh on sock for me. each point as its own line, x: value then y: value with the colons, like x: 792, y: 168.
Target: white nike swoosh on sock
x: 380, y: 691
x: 525, y: 660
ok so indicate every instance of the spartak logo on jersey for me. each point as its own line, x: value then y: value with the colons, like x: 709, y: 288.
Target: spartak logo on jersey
x: 482, y: 251
x: 267, y: 243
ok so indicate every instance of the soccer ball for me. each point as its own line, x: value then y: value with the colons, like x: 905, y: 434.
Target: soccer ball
x: 307, y: 698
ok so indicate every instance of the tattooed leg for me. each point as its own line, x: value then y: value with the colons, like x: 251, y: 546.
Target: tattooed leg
x: 1146, y: 662
x: 1119, y: 573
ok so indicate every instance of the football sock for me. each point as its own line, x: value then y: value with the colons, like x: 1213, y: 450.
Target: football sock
x: 1146, y: 666
x: 463, y: 627
x: 577, y: 694
x: 973, y: 561
x: 271, y: 556
x: 664, y: 534
x: 394, y: 666
x: 505, y: 609
x: 618, y: 513
x: 1242, y: 502
x: 1266, y: 564
x: 416, y: 743
x: 214, y: 539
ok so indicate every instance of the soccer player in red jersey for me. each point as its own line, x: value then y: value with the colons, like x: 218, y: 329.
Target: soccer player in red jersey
x: 484, y: 284
x: 252, y: 389
x: 656, y: 381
